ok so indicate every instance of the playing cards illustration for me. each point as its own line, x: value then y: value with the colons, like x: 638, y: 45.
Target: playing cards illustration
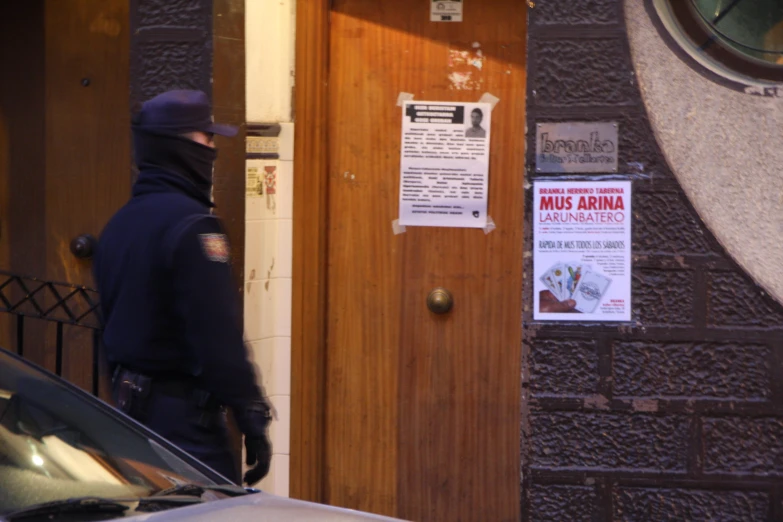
x: 589, y: 292
x: 558, y: 272
x: 553, y: 279
x: 549, y: 281
x: 573, y: 282
x: 573, y: 274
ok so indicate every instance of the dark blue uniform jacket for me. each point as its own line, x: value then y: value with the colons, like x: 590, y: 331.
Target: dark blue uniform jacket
x: 168, y: 300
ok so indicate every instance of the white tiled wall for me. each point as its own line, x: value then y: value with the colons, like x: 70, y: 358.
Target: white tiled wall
x: 269, y: 57
x: 269, y: 38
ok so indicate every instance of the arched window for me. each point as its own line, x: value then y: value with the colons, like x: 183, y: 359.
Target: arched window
x: 733, y: 38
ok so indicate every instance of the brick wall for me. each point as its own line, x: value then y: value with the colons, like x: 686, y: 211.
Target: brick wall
x: 171, y: 46
x: 679, y: 417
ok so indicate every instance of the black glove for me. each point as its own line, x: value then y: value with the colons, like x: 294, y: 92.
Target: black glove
x: 259, y: 455
x: 253, y: 419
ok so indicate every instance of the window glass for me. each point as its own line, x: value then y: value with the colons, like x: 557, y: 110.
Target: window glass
x: 57, y: 442
x: 751, y: 27
x: 739, y: 40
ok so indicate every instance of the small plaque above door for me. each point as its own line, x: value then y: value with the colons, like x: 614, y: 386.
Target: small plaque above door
x: 446, y: 11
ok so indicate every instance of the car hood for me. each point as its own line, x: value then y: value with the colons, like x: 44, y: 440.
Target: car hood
x: 259, y: 507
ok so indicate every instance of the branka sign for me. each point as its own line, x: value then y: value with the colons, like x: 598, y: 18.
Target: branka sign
x: 576, y: 147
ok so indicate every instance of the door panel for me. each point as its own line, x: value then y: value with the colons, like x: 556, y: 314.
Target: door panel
x: 422, y: 411
x: 64, y: 152
x: 22, y: 158
x: 87, y: 142
x: 87, y: 125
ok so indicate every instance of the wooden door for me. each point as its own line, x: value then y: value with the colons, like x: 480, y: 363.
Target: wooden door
x: 65, y: 160
x: 421, y: 413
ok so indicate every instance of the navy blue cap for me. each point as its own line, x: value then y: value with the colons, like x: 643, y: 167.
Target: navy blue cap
x: 178, y: 112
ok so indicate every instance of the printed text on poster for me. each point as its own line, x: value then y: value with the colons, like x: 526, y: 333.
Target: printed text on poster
x: 444, y: 164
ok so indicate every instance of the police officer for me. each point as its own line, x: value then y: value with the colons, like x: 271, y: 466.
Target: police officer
x: 172, y: 320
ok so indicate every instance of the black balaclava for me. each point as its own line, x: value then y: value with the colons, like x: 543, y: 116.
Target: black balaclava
x: 177, y: 154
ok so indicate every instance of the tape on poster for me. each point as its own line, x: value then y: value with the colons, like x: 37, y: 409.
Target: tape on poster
x: 490, y: 225
x: 403, y: 97
x: 490, y: 99
x: 397, y: 228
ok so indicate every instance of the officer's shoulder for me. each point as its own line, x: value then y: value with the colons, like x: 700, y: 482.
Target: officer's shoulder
x: 179, y: 205
x: 195, y: 224
x: 191, y: 225
x: 202, y: 233
x: 179, y: 214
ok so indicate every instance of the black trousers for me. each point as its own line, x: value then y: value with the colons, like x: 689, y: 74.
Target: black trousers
x: 180, y: 421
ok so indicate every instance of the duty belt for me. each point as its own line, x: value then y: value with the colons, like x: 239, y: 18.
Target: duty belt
x: 133, y: 388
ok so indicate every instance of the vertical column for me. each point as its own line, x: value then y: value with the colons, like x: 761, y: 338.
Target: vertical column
x: 171, y: 46
x: 269, y: 213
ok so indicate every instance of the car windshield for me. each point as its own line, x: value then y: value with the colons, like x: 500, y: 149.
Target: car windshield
x: 57, y: 442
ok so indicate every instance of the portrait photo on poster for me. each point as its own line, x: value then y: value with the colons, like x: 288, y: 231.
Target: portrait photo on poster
x: 582, y: 250
x: 474, y: 126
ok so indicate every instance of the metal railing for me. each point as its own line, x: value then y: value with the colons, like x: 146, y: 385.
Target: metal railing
x: 30, y: 298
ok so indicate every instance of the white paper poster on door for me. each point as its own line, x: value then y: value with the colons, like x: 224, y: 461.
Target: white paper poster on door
x: 444, y: 164
x: 582, y: 251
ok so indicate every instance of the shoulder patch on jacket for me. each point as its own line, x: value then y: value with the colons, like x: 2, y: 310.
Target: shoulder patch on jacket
x: 215, y: 247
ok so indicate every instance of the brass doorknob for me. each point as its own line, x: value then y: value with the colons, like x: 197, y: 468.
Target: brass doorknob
x: 440, y: 301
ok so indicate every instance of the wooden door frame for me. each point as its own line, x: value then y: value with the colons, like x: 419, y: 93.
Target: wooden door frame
x: 308, y: 327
